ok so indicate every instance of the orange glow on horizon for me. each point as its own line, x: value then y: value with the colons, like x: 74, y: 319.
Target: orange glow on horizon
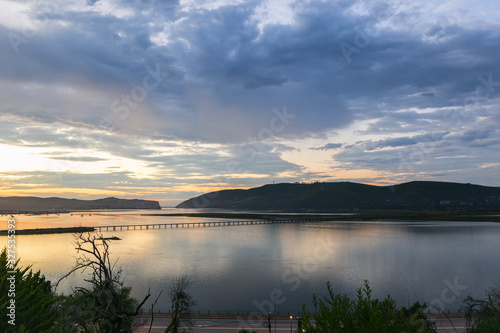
x: 183, y: 191
x: 364, y: 176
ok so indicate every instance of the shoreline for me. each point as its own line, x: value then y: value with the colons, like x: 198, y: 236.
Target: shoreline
x: 378, y: 216
x: 353, y: 216
x: 66, y: 211
x: 44, y: 231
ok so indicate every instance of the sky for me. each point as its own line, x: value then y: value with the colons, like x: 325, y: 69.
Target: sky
x: 166, y: 100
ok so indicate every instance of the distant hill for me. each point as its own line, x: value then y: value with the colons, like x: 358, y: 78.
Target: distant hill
x: 34, y: 204
x: 351, y: 196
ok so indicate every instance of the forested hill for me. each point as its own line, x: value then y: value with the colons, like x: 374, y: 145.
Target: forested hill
x: 351, y: 196
x: 33, y: 204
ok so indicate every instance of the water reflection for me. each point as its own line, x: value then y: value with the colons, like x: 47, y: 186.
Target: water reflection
x: 237, y: 268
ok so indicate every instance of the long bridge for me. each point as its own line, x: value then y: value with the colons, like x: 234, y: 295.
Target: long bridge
x: 201, y: 224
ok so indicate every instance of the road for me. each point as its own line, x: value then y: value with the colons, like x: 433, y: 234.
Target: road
x: 222, y: 325
x: 452, y: 325
x: 232, y: 325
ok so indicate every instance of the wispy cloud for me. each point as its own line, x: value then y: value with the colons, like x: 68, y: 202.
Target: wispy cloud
x: 328, y: 146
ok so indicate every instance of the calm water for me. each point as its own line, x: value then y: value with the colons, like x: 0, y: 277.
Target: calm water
x: 248, y: 268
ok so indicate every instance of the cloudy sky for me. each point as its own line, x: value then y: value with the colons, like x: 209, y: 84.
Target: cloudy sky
x: 169, y: 99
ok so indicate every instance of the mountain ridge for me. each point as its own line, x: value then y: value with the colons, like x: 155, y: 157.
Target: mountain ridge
x: 33, y: 204
x: 339, y: 196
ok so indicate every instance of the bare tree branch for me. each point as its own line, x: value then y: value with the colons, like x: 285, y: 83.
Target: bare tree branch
x: 182, y: 304
x: 106, y: 304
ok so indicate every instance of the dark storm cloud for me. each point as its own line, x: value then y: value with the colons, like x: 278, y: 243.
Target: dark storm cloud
x: 480, y: 138
x: 90, y: 52
x: 403, y: 141
x: 242, y: 72
x: 328, y: 146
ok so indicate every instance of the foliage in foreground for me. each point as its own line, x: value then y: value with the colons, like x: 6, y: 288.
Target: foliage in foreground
x: 33, y: 297
x: 338, y: 313
x: 483, y: 315
x: 105, y: 304
x: 182, y: 304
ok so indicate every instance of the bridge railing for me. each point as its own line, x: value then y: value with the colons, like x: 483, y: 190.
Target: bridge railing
x: 200, y: 224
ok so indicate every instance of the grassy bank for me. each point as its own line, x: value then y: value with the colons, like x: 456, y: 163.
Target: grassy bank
x: 370, y: 215
x: 49, y: 231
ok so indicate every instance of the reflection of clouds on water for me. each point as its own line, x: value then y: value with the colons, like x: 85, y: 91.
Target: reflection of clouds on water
x: 233, y: 266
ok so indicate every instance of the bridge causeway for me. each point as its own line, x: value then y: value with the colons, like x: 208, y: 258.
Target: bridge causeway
x: 200, y: 224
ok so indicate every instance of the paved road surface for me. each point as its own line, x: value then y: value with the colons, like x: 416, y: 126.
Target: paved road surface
x: 456, y: 325
x: 282, y: 326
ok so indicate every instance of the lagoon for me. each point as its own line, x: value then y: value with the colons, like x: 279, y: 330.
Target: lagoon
x: 256, y: 267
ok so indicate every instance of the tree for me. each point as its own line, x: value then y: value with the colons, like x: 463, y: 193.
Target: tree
x: 27, y: 297
x: 105, y: 305
x: 338, y: 313
x: 182, y: 304
x: 483, y: 315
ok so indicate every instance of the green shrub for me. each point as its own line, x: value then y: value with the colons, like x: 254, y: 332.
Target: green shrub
x: 34, y: 299
x: 338, y: 313
x: 483, y: 315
